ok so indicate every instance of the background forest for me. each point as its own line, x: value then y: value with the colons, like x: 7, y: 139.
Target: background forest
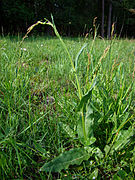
x: 72, y: 17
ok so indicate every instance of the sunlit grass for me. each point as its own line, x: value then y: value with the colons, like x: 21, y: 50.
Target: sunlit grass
x: 38, y: 92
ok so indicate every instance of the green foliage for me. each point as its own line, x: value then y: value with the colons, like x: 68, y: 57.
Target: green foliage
x: 88, y: 123
x: 44, y: 121
x: 71, y: 157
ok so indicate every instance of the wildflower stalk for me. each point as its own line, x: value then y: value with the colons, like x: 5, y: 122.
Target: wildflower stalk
x: 46, y: 22
x: 91, y: 49
x: 71, y: 61
x: 74, y: 70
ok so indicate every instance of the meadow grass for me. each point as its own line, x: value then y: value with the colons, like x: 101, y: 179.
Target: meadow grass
x: 39, y: 100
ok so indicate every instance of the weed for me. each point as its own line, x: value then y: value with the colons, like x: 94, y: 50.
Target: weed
x: 61, y: 105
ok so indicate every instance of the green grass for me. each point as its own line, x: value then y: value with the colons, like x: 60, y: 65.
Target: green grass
x: 39, y: 98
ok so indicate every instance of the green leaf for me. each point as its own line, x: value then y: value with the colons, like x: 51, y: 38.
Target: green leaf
x: 80, y: 130
x: 91, y: 140
x: 116, y: 177
x: 98, y: 153
x: 124, y: 137
x: 87, y: 96
x: 71, y: 157
x: 122, y: 174
x: 89, y: 121
x: 94, y: 174
x: 84, y: 99
x: 114, y: 120
x: 68, y: 130
x: 107, y: 149
x: 77, y: 57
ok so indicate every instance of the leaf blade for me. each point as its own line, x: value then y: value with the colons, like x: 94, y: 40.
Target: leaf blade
x: 79, y: 53
x: 71, y: 157
x: 86, y: 97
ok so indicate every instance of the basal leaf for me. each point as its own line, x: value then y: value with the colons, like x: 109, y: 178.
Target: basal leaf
x: 80, y: 130
x: 89, y: 132
x: 71, y: 157
x: 89, y: 121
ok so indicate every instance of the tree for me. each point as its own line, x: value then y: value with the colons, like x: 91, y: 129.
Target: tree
x: 102, y: 26
x: 71, y: 17
x: 109, y: 19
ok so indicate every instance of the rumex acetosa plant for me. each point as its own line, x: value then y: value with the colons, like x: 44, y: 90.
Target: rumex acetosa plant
x: 105, y: 126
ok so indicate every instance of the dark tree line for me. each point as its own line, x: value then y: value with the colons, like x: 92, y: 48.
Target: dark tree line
x: 72, y: 17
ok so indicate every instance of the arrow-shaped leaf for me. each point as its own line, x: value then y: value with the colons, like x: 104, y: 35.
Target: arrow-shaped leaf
x: 87, y: 96
x: 71, y: 157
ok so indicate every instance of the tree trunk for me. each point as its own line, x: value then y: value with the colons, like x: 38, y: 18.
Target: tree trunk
x: 109, y: 20
x: 36, y: 9
x: 102, y: 26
